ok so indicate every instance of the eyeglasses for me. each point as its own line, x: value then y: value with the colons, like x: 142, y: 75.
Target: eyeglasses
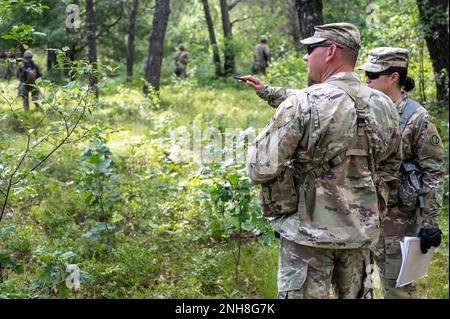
x: 374, y: 76
x: 311, y: 47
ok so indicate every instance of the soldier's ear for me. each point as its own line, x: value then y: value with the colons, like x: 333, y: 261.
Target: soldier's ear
x: 332, y: 50
x: 395, y: 77
x: 331, y: 53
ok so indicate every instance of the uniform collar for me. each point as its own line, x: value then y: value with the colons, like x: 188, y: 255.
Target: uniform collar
x: 343, y: 76
x: 401, y: 102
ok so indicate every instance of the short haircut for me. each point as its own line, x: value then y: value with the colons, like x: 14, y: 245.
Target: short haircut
x: 350, y: 55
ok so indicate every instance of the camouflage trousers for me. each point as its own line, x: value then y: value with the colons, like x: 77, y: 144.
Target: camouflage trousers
x: 24, y: 90
x: 398, y: 223
x: 180, y: 71
x: 388, y: 257
x: 309, y: 273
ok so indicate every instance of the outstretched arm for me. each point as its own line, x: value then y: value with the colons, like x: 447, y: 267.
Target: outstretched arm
x: 273, y: 95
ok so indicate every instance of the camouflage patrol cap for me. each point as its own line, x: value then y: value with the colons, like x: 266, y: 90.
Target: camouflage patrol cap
x: 263, y: 38
x: 383, y: 58
x: 28, y: 54
x: 343, y: 33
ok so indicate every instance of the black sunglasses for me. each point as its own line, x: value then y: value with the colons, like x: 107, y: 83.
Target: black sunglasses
x: 311, y: 47
x: 374, y: 76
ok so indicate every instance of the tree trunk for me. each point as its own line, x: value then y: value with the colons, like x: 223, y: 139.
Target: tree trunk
x: 309, y: 14
x: 294, y: 27
x: 51, y: 59
x: 212, y: 39
x: 229, y: 65
x: 435, y: 25
x: 92, y: 45
x: 156, y: 44
x: 131, y: 36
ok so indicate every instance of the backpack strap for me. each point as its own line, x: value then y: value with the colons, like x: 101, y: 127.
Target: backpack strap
x: 412, y: 171
x: 361, y: 99
x: 335, y: 161
x: 410, y: 108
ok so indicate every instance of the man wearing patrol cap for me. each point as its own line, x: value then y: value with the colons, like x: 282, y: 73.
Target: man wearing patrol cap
x: 416, y: 204
x: 342, y: 141
x: 342, y: 33
x: 345, y: 36
x: 261, y: 56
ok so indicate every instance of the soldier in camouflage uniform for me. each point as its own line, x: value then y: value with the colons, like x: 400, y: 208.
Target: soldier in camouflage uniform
x: 181, y: 61
x: 386, y: 70
x: 28, y: 72
x: 261, y: 56
x: 342, y: 140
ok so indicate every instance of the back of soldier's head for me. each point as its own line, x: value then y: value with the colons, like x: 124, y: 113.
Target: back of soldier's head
x: 263, y: 39
x: 28, y: 54
x: 181, y: 47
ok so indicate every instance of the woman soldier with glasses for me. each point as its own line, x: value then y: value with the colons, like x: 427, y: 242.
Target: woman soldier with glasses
x: 413, y: 207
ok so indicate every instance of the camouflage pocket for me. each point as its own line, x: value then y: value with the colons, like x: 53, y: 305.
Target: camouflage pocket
x: 411, y: 185
x: 393, y: 257
x: 408, y: 195
x: 291, y: 280
x: 393, y: 197
x: 279, y: 197
x: 291, y: 275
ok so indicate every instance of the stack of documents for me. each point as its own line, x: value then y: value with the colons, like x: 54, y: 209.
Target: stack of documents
x: 415, y: 264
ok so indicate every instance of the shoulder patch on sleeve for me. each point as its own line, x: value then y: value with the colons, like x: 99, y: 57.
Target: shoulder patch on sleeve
x: 435, y: 140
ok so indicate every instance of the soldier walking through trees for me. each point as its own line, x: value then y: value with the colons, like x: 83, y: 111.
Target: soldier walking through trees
x: 28, y: 73
x: 320, y: 161
x: 181, y: 61
x: 413, y: 206
x: 261, y: 56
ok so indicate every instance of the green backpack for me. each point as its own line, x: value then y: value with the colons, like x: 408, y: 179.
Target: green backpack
x: 279, y: 197
x: 30, y: 75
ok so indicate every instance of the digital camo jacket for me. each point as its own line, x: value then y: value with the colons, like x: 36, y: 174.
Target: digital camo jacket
x: 422, y: 145
x: 338, y: 208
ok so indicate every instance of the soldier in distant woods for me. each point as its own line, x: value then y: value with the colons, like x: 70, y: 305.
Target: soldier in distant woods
x: 261, y: 56
x: 28, y: 72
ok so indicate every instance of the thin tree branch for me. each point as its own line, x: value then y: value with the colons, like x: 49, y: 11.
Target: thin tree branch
x: 233, y: 4
x: 9, y: 182
x: 247, y: 18
x: 7, y: 101
x: 56, y: 148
